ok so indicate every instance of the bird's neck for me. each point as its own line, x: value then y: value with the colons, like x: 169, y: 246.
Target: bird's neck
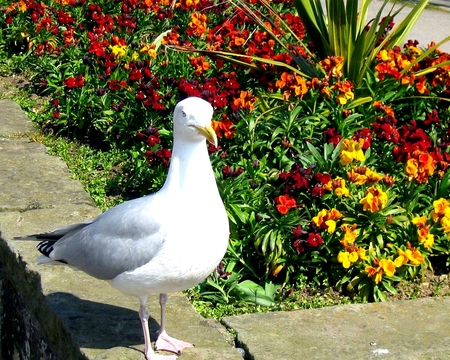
x: 190, y: 168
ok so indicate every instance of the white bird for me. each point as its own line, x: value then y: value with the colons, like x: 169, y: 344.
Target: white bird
x: 161, y: 243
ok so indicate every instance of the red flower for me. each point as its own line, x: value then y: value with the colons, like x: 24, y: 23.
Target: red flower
x: 115, y: 85
x: 298, y: 245
x: 332, y: 135
x: 314, y: 240
x: 135, y: 75
x: 74, y: 82
x: 365, y: 134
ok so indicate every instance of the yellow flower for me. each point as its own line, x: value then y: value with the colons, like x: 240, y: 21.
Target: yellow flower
x: 338, y: 185
x: 331, y: 226
x: 362, y: 254
x: 325, y: 219
x: 420, y: 221
x: 149, y: 49
x: 425, y: 237
x: 440, y: 206
x: 118, y: 51
x: 318, y: 220
x: 383, y: 55
x: 411, y: 168
x: 445, y: 223
x: 351, y: 150
x: 373, y: 176
x: 388, y: 266
x: 347, y: 259
x: 375, y: 199
x: 349, y: 234
x: 375, y: 273
x: 412, y: 255
x: 416, y: 257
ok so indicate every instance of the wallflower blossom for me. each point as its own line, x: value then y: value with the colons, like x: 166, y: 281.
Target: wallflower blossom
x: 386, y: 108
x: 285, y: 203
x: 361, y: 175
x: 326, y: 219
x: 384, y: 266
x: 292, y: 82
x: 118, y: 51
x: 314, y: 240
x: 420, y: 221
x: 197, y: 25
x: 351, y: 150
x: 338, y: 185
x: 350, y: 234
x: 187, y: 4
x: 224, y: 128
x: 425, y: 237
x: 74, y: 82
x: 333, y: 66
x: 441, y: 213
x: 411, y: 255
x: 345, y: 89
x: 374, y: 200
x: 245, y: 101
x: 420, y: 166
x: 347, y: 258
x: 149, y: 49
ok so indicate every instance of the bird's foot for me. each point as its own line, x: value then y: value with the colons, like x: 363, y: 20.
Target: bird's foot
x: 152, y: 356
x: 168, y: 343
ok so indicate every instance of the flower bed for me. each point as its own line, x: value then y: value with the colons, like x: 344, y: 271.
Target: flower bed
x: 338, y: 181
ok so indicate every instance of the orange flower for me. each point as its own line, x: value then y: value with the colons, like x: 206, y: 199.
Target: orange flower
x: 224, y: 128
x: 386, y: 108
x: 285, y: 202
x: 420, y: 221
x: 420, y: 166
x: 375, y: 199
x: 245, y: 101
x: 421, y: 85
x: 345, y: 89
x: 197, y: 26
x: 299, y: 86
x: 411, y: 254
x: 188, y: 4
x: 384, y: 266
x: 333, y: 65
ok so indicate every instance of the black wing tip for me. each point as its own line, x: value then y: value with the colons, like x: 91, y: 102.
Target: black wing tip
x: 46, y: 247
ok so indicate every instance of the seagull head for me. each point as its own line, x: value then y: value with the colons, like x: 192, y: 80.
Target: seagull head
x: 192, y: 120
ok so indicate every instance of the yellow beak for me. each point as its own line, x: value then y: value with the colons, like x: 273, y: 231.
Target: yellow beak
x: 209, y: 133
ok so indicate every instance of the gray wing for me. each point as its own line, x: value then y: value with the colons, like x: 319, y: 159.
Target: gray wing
x: 121, y: 239
x: 62, y: 231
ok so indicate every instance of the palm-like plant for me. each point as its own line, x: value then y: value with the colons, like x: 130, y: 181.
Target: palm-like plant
x: 343, y: 30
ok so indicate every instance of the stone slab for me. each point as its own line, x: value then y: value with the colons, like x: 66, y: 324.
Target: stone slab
x: 405, y: 329
x: 13, y: 120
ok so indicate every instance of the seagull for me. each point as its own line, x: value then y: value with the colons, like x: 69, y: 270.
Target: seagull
x: 165, y: 242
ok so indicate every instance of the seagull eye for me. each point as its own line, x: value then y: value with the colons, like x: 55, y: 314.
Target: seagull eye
x: 183, y: 113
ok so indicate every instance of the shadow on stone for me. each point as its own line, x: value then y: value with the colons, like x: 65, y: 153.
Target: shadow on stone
x: 99, y: 325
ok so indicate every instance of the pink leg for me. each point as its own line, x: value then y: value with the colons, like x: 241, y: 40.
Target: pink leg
x: 148, y: 351
x: 164, y: 341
